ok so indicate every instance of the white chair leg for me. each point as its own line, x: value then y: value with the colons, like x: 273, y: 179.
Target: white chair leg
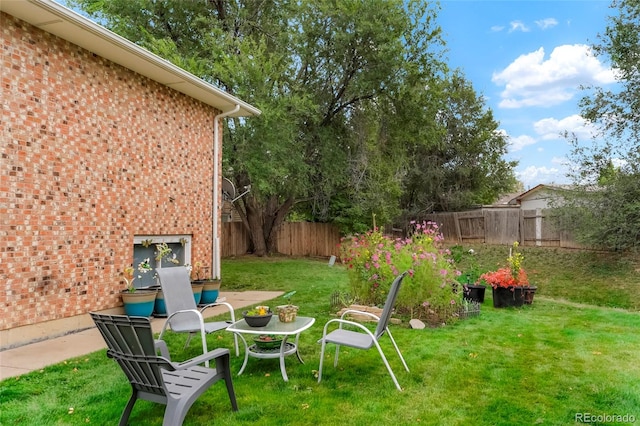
x: 246, y: 354
x: 397, y: 350
x: 386, y: 363
x: 235, y: 338
x: 321, y: 361
x: 204, y: 346
x: 186, y: 344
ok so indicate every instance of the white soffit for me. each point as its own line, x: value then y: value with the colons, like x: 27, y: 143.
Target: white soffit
x: 69, y: 25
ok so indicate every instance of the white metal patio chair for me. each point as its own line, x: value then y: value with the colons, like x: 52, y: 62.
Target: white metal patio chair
x: 183, y: 315
x: 155, y: 378
x: 360, y: 337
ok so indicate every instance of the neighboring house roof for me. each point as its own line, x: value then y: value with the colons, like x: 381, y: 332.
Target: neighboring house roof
x: 516, y: 198
x: 526, y: 194
x: 69, y: 25
x: 538, y: 188
x: 507, y: 199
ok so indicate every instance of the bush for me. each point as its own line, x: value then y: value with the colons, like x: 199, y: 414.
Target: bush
x: 373, y: 260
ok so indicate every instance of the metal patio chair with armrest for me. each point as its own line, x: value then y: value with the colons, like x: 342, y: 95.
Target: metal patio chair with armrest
x: 183, y: 315
x: 155, y: 378
x: 360, y: 337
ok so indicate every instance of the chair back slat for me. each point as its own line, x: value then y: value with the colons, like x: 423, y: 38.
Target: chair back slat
x: 176, y: 286
x: 388, y: 305
x: 178, y: 296
x: 130, y: 342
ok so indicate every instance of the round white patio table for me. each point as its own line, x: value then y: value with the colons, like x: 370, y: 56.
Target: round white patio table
x: 276, y: 327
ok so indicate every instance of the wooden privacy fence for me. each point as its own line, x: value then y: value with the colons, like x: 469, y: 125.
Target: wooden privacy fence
x: 502, y: 226
x: 234, y: 240
x: 292, y: 239
x: 497, y: 226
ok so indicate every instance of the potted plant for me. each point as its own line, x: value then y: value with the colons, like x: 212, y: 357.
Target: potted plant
x: 258, y: 316
x: 473, y: 292
x: 210, y: 285
x: 288, y: 312
x: 510, y: 284
x: 268, y: 341
x: 165, y: 253
x: 138, y: 301
x: 465, y: 259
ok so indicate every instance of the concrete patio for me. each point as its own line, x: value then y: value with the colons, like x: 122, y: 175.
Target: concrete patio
x: 35, y: 356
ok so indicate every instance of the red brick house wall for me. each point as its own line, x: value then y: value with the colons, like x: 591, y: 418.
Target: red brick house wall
x: 91, y: 154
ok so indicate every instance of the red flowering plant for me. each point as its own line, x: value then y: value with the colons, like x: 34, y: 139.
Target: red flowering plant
x: 509, y: 276
x: 373, y: 260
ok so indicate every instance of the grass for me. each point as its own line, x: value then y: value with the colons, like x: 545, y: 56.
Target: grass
x: 575, y: 350
x: 594, y: 278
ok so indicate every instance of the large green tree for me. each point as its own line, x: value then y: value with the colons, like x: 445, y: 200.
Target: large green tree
x: 605, y: 211
x: 348, y: 90
x: 458, y: 162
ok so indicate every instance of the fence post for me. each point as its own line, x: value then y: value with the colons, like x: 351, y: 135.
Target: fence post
x: 456, y: 221
x: 538, y: 227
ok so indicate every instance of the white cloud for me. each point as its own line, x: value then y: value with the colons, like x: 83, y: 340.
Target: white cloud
x: 546, y: 23
x: 519, y: 142
x: 562, y: 161
x: 551, y: 128
x: 533, y: 80
x: 619, y: 162
x: 497, y: 28
x: 518, y: 26
x: 532, y: 176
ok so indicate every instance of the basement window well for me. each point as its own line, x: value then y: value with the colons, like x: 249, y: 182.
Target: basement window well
x: 146, y: 247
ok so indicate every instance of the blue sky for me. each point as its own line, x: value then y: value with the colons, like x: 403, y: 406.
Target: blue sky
x: 528, y: 59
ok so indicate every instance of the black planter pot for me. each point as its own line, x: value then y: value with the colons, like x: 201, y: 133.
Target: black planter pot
x: 474, y: 293
x: 528, y: 294
x: 504, y: 297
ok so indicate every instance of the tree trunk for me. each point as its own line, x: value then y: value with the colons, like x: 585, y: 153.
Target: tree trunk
x: 276, y: 213
x: 263, y: 221
x: 254, y: 222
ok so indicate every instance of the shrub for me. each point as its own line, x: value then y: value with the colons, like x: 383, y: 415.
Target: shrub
x: 509, y: 276
x: 373, y: 260
x: 466, y: 261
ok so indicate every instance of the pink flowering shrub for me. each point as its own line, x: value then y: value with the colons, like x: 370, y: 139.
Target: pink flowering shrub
x: 374, y: 260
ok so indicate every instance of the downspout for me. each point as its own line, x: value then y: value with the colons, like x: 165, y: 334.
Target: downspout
x: 215, y: 248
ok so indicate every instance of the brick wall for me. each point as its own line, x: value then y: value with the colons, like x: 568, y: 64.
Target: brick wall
x: 91, y: 155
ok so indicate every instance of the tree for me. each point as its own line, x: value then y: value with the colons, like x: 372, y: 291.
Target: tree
x: 317, y: 70
x: 344, y: 86
x: 457, y: 162
x: 605, y: 210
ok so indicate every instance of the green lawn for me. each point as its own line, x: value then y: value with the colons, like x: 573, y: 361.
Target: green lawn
x: 571, y: 352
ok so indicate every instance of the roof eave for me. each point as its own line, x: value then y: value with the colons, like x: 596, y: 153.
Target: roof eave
x: 62, y: 22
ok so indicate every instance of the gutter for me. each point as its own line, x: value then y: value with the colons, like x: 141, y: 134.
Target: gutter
x: 215, y: 206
